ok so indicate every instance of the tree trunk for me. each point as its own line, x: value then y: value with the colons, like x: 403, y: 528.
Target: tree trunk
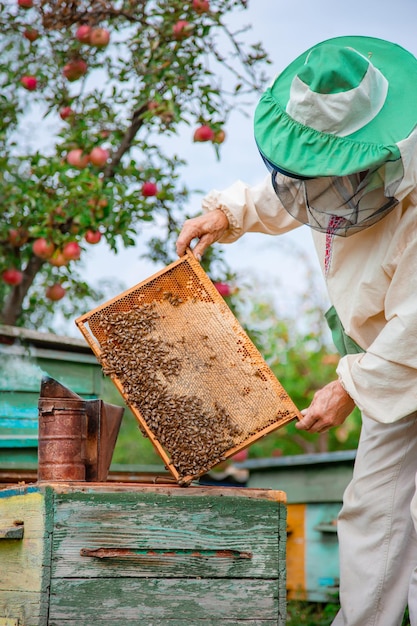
x: 13, y: 305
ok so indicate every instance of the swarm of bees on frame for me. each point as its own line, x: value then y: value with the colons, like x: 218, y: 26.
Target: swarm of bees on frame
x: 194, y: 435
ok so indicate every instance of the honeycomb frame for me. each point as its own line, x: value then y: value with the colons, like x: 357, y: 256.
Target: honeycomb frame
x: 197, y: 385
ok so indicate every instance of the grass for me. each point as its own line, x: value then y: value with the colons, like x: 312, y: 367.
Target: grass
x: 310, y: 613
x: 317, y: 614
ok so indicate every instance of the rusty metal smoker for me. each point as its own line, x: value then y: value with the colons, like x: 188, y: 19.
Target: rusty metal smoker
x: 76, y: 436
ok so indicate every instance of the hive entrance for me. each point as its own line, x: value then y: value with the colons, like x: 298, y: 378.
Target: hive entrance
x: 197, y: 385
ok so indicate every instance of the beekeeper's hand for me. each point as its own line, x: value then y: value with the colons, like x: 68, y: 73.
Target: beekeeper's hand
x: 330, y: 406
x: 207, y: 228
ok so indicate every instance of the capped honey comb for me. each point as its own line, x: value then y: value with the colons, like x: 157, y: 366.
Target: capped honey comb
x: 197, y: 385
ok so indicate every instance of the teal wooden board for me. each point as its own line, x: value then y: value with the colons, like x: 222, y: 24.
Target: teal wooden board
x: 85, y: 602
x: 18, y: 491
x: 18, y: 412
x: 64, y: 355
x: 172, y: 537
x: 304, y: 478
x: 322, y: 552
x: 18, y: 427
x: 18, y: 374
x: 155, y: 621
x: 23, y: 401
x: 82, y: 378
x: 18, y: 456
x: 305, y: 484
x: 18, y: 441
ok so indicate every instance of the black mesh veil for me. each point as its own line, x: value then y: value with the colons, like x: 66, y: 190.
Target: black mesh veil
x: 342, y: 205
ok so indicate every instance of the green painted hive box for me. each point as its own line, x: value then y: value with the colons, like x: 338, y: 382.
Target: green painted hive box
x: 314, y: 484
x: 118, y: 555
x: 25, y: 357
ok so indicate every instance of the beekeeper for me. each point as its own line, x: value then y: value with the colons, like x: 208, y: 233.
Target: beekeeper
x: 337, y: 132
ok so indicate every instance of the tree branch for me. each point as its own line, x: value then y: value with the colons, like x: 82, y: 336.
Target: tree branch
x: 13, y: 304
x: 126, y: 143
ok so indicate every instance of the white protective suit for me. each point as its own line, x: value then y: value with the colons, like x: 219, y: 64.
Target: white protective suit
x: 371, y: 278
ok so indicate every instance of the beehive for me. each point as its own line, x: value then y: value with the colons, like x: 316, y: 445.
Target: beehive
x: 197, y: 385
x: 141, y: 555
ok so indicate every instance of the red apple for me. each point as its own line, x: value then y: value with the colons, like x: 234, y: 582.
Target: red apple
x: 12, y: 276
x: 99, y: 156
x: 55, y: 292
x: 182, y: 29
x: 25, y: 4
x: 74, y: 69
x: 77, y: 158
x: 99, y: 37
x: 71, y: 251
x: 66, y: 112
x: 43, y: 248
x: 83, y: 33
x: 201, y: 6
x: 240, y: 456
x: 29, y: 82
x: 203, y: 133
x: 223, y: 289
x: 31, y: 34
x: 92, y: 236
x: 17, y: 237
x: 149, y: 189
x: 219, y: 136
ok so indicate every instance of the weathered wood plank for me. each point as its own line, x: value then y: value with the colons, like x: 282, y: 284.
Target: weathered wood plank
x: 22, y: 402
x: 24, y: 374
x: 22, y: 560
x: 150, y: 533
x: 25, y: 564
x: 24, y: 606
x: 175, y: 622
x: 305, y: 483
x: 8, y: 621
x: 79, y: 377
x: 140, y: 601
x: 98, y: 489
x: 11, y: 532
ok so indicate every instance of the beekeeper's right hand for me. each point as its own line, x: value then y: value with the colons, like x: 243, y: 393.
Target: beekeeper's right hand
x: 207, y: 228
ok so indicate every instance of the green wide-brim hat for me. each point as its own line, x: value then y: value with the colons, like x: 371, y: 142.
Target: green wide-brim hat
x: 341, y: 107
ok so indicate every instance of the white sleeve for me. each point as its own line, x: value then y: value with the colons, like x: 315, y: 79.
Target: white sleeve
x: 250, y: 209
x: 383, y: 380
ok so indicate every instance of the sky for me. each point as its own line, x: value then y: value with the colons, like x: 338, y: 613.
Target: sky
x: 286, y: 28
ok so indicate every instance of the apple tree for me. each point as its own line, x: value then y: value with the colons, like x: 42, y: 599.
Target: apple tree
x: 108, y: 82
